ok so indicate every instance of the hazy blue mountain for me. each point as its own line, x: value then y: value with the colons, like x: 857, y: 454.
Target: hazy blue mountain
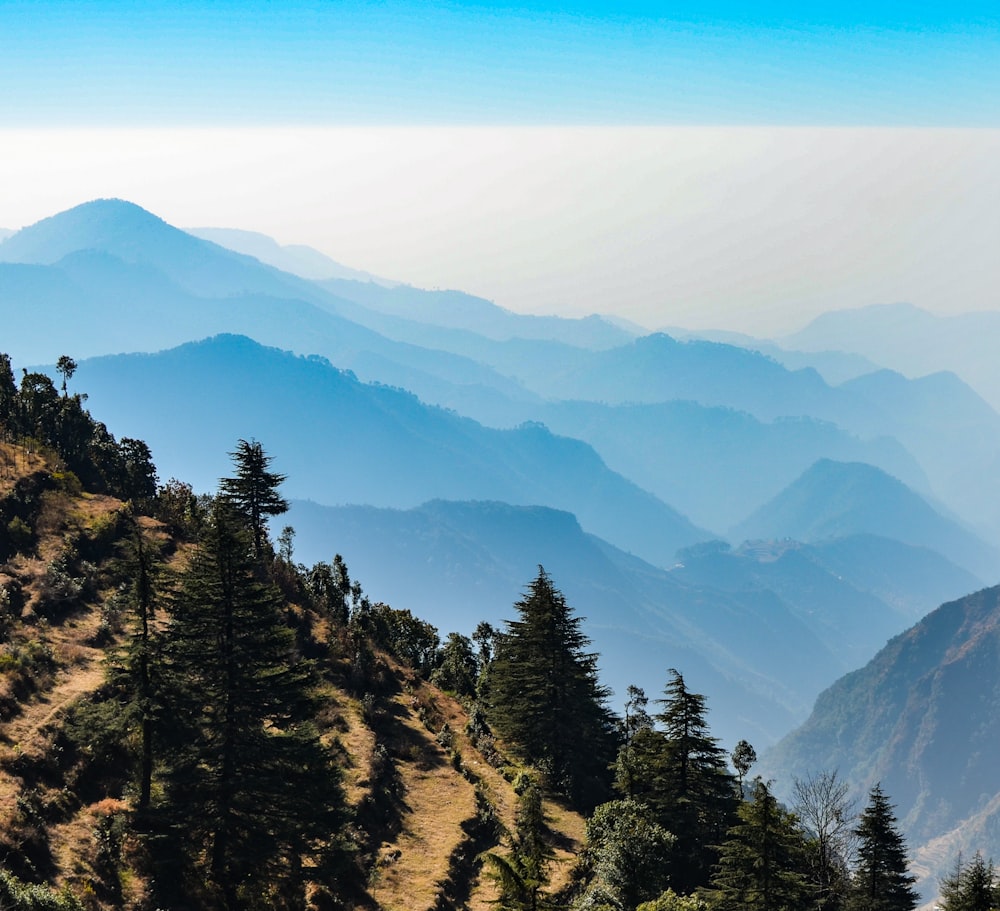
x: 297, y: 259
x: 130, y: 233
x: 835, y: 367
x: 837, y: 499
x: 440, y: 309
x: 950, y: 432
x: 457, y: 563
x: 457, y: 310
x: 953, y: 433
x: 911, y: 580
x: 947, y: 428
x: 658, y: 368
x: 94, y: 303
x: 854, y: 593
x: 5, y: 233
x: 913, y: 341
x: 716, y: 464
x: 108, y: 276
x: 343, y: 441
x: 921, y: 718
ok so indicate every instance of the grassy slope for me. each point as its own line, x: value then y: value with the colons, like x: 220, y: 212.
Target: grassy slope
x: 418, y: 852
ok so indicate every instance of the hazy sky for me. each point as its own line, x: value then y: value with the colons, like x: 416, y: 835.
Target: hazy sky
x: 732, y: 165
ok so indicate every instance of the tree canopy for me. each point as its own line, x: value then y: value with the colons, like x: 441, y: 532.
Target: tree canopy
x: 545, y: 697
x: 253, y: 491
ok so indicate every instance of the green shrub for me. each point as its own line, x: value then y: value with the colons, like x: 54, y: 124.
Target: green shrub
x: 19, y: 896
x: 20, y: 537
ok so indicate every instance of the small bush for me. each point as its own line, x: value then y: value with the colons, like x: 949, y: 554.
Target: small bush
x: 59, y: 591
x: 20, y: 537
x: 68, y: 482
x: 19, y: 896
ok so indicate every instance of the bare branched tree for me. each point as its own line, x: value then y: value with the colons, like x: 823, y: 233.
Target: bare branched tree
x: 827, y: 815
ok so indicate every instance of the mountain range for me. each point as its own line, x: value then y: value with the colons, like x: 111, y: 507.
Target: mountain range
x: 761, y: 629
x: 837, y: 499
x: 913, y: 341
x: 444, y: 429
x: 343, y: 441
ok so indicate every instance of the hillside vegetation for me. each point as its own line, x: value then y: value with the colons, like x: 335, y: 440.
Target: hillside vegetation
x: 420, y: 801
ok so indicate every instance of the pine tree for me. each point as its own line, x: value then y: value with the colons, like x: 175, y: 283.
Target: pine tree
x: 761, y: 862
x: 253, y: 491
x: 249, y: 789
x: 134, y: 666
x: 545, y: 698
x: 971, y: 887
x: 8, y: 399
x: 523, y: 873
x: 881, y: 880
x: 694, y: 793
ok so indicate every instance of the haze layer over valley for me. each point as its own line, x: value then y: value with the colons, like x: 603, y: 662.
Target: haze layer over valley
x: 667, y: 455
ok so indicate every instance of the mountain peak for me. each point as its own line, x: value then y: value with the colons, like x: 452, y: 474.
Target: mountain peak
x: 111, y: 225
x: 833, y: 499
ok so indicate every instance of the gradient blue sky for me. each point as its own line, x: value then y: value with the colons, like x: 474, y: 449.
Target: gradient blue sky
x: 831, y: 63
x: 726, y: 165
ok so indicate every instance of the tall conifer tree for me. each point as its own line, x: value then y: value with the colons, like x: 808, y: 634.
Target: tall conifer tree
x: 971, y: 886
x: 881, y: 880
x: 134, y: 666
x: 694, y: 793
x: 249, y: 787
x: 545, y: 697
x: 253, y: 491
x: 762, y: 862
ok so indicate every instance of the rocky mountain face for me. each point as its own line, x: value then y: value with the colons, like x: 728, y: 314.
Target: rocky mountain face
x: 921, y: 719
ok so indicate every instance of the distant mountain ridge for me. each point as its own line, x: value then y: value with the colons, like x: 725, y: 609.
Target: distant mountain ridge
x: 345, y: 441
x: 108, y: 277
x: 297, y: 259
x: 460, y: 311
x: 913, y: 341
x: 133, y: 235
x: 713, y: 463
x: 835, y: 499
x: 763, y: 645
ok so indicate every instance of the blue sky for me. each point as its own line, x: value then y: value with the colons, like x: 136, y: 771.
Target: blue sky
x: 148, y: 63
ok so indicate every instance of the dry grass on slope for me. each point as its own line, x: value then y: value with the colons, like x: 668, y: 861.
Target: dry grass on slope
x: 452, y: 800
x: 52, y: 657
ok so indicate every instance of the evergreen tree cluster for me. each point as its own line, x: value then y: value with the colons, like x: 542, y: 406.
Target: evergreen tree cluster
x: 37, y: 413
x: 544, y: 696
x: 236, y: 790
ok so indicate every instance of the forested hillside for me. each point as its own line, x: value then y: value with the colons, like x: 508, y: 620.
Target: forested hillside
x: 191, y: 718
